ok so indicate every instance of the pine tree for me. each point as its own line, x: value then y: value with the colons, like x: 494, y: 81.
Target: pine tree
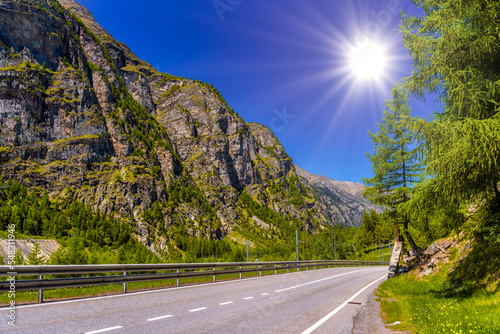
x: 35, y: 256
x: 394, y: 161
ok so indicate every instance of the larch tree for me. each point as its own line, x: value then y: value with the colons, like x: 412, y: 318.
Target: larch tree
x: 394, y: 161
x: 455, y: 47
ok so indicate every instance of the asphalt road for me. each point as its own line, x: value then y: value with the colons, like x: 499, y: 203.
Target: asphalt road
x: 319, y: 301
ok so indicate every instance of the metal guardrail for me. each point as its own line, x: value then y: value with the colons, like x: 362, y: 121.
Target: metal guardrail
x: 163, y: 271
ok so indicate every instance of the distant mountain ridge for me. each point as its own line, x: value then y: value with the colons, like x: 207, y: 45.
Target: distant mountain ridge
x: 342, y: 197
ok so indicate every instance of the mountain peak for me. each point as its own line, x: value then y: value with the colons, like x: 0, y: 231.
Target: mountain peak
x: 85, y: 15
x: 346, y: 196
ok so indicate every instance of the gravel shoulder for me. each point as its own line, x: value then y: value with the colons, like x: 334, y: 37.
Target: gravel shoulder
x: 369, y: 320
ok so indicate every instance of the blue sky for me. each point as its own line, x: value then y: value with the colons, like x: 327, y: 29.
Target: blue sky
x: 281, y: 63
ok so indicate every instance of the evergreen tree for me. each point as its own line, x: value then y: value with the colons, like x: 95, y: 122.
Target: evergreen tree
x: 394, y: 161
x: 76, y: 253
x: 121, y: 256
x: 35, y: 256
x: 18, y: 257
x: 238, y: 255
x: 455, y: 48
x: 58, y: 257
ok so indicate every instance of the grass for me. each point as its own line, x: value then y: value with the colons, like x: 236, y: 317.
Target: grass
x: 437, y: 304
x: 239, y: 238
x: 374, y: 255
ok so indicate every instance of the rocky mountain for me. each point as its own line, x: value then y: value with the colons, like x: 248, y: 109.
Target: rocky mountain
x: 82, y: 117
x: 343, y: 198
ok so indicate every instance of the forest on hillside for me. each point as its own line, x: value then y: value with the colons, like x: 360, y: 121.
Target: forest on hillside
x: 90, y: 237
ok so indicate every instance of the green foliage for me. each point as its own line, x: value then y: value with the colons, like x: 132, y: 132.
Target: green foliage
x: 94, y: 67
x: 83, y: 233
x: 395, y: 163
x: 455, y: 50
x: 239, y: 255
x: 171, y: 91
x: 18, y: 257
x: 35, y: 256
x: 137, y: 152
x: 436, y: 305
x: 375, y: 226
x: 165, y: 77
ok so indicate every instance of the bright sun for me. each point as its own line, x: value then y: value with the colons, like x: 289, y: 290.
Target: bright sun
x: 368, y: 61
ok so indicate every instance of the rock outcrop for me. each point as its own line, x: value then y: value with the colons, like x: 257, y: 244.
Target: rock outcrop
x: 47, y: 247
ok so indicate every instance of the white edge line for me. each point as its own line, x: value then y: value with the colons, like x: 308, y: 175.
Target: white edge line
x: 225, y: 303
x: 248, y: 298
x: 329, y: 315
x: 6, y: 308
x: 162, y: 317
x: 198, y: 309
x: 264, y: 294
x: 323, y: 279
x: 104, y: 330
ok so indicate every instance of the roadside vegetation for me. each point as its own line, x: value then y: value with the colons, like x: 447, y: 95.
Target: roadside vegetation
x: 435, y: 304
x: 439, y: 177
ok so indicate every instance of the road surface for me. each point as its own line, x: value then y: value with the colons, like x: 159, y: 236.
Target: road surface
x: 314, y: 301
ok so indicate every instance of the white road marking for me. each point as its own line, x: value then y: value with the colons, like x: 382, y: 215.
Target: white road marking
x: 6, y: 308
x: 198, y: 309
x: 264, y: 294
x: 104, y: 330
x: 128, y: 294
x: 320, y: 280
x: 162, y: 317
x: 249, y: 298
x: 329, y: 315
x: 225, y: 303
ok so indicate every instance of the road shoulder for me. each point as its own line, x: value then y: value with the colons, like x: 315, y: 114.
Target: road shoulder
x: 368, y: 319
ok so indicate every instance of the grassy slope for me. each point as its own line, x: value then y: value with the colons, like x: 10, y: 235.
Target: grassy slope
x: 444, y: 302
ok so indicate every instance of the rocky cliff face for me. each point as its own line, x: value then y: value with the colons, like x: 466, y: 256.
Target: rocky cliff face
x: 344, y: 199
x: 84, y: 118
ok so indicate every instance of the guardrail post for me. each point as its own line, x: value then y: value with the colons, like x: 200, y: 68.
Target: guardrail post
x: 124, y: 284
x: 177, y: 283
x: 40, y: 291
x: 240, y: 272
x: 260, y: 271
x: 287, y: 269
x: 275, y: 271
x: 214, y: 273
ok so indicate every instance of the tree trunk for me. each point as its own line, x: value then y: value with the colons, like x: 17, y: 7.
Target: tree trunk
x: 496, y: 205
x: 413, y: 245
